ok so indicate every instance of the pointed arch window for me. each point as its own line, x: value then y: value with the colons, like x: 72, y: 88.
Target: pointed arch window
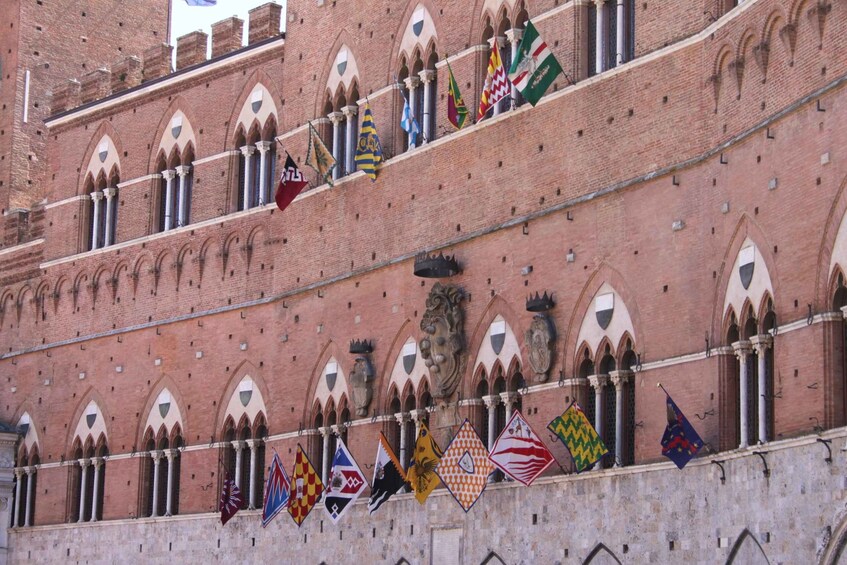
x: 175, y: 189
x: 611, y: 34
x: 88, y: 481
x: 25, y: 489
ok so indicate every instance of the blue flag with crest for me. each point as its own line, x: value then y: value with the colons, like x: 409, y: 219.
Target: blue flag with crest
x: 409, y: 123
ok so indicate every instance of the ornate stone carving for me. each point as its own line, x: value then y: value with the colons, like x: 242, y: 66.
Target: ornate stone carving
x: 539, y: 339
x: 442, y: 348
x: 361, y: 389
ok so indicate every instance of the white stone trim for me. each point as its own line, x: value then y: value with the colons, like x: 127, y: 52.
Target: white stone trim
x: 138, y: 180
x: 215, y: 157
x: 71, y: 200
x: 22, y: 246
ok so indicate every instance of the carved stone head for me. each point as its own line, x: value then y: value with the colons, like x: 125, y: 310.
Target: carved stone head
x: 539, y: 339
x: 442, y: 348
x: 361, y: 385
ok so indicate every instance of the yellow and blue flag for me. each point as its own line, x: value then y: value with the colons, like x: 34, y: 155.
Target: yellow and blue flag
x: 369, y: 150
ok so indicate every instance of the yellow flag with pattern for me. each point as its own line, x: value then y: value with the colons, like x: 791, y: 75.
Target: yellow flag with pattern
x: 421, y: 474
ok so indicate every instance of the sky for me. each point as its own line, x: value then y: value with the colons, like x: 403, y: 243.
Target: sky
x: 185, y: 18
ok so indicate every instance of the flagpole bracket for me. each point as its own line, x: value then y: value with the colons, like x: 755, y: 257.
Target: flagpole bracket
x: 826, y: 443
x: 723, y: 471
x: 766, y: 471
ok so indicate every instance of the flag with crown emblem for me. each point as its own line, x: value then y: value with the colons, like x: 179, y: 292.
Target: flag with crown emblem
x: 579, y: 436
x: 231, y: 499
x: 421, y: 474
x: 346, y: 483
x: 306, y: 485
x: 369, y: 150
x: 497, y: 85
x: 277, y: 493
x: 519, y: 452
x: 680, y: 442
x: 464, y: 467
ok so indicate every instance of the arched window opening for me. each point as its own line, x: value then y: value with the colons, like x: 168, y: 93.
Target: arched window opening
x: 611, y: 34
x: 317, y: 455
x: 343, y: 113
x: 87, y: 484
x: 394, y: 428
x: 175, y: 189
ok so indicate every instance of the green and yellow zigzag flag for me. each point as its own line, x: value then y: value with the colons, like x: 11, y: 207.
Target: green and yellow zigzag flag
x: 579, y: 436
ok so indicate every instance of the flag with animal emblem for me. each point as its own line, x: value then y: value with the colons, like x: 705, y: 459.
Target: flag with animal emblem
x: 307, y: 487
x: 680, y: 442
x: 409, y: 123
x: 319, y: 157
x: 497, y: 84
x: 291, y: 183
x: 277, y: 493
x: 421, y: 474
x: 579, y: 436
x: 231, y: 499
x: 534, y: 68
x: 388, y: 475
x: 464, y: 467
x: 346, y: 483
x: 457, y: 112
x: 201, y: 2
x: 369, y: 150
x: 519, y: 452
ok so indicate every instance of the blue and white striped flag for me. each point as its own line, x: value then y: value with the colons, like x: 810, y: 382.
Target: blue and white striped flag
x: 409, y: 123
x: 201, y: 2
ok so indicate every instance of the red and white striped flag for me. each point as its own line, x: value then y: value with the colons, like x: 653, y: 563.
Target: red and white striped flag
x: 497, y: 85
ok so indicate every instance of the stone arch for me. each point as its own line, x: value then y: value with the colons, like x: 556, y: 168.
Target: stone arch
x: 320, y: 391
x: 835, y: 551
x: 164, y: 140
x: 747, y: 551
x: 492, y: 9
x: 151, y: 417
x: 601, y: 555
x: 588, y: 330
x: 497, y: 306
x: 406, y: 41
x: 833, y: 249
x: 24, y: 415
x: 231, y: 403
x: 91, y: 163
x: 79, y: 431
x: 243, y: 112
x: 405, y: 342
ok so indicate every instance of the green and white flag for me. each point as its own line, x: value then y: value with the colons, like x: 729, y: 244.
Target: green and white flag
x: 534, y: 68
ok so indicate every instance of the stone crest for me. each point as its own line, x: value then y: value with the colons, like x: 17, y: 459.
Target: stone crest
x: 539, y: 339
x: 442, y: 348
x: 361, y: 389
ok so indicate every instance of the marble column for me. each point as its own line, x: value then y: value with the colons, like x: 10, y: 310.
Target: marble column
x: 95, y: 497
x: 169, y: 198
x: 336, y: 118
x: 248, y: 151
x: 111, y: 208
x: 157, y: 458
x: 170, y: 455
x: 761, y: 343
x: 619, y: 380
x: 350, y: 115
x: 514, y: 36
x: 182, y: 196
x: 254, y: 446
x: 30, y: 476
x: 743, y: 349
x: 428, y: 81
x: 600, y: 37
x: 97, y: 197
x: 83, y: 464
x: 264, y: 148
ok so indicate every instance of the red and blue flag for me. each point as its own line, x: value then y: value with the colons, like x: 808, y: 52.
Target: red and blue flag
x: 346, y: 483
x: 277, y: 493
x: 680, y: 443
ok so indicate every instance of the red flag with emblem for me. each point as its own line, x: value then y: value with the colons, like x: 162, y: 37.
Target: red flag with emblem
x: 291, y: 182
x: 231, y: 499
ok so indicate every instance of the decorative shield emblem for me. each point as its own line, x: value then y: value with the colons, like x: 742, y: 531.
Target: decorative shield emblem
x: 341, y: 62
x: 164, y: 403
x: 746, y: 263
x: 176, y: 126
x: 331, y: 375
x: 466, y: 463
x: 604, y: 307
x: 498, y: 335
x: 256, y: 100
x: 418, y: 22
x: 91, y: 415
x: 245, y: 391
x: 103, y: 151
x: 410, y: 355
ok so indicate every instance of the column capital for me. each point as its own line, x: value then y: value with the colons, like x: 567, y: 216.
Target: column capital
x: 19, y: 471
x: 336, y: 430
x: 599, y: 3
x: 97, y: 462
x: 183, y: 170
x: 514, y: 35
x: 419, y: 414
x: 598, y: 381
x: 170, y: 453
x: 248, y: 150
x: 110, y: 193
x: 168, y: 174
x: 335, y: 117
x: 761, y: 342
x: 402, y: 417
x: 253, y: 444
x: 742, y: 349
x: 844, y: 311
x: 837, y: 316
x: 509, y: 398
x: 412, y: 82
x: 84, y: 463
x: 97, y: 196
x: 500, y: 40
x: 238, y: 445
x: 157, y: 455
x: 618, y: 378
x: 264, y: 146
x: 350, y: 111
x: 325, y: 431
x: 427, y: 75
x: 31, y: 470
x: 492, y: 400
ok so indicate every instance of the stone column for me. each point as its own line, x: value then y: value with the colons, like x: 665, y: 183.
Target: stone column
x: 428, y: 79
x: 325, y: 431
x: 514, y: 36
x: 30, y: 475
x: 412, y: 84
x: 761, y: 343
x: 247, y: 151
x: 169, y: 198
x: 619, y: 380
x: 336, y: 119
x: 418, y: 417
x: 97, y: 462
x: 171, y: 455
x: 509, y: 399
x: 264, y: 148
x: 19, y: 475
x: 8, y: 445
x: 600, y: 37
x: 254, y: 446
x: 620, y: 35
x: 743, y: 349
x: 157, y: 457
x: 598, y: 383
x: 350, y: 114
x: 491, y: 406
x: 182, y: 196
x: 97, y: 197
x: 238, y: 446
x: 109, y: 193
x: 83, y: 464
x: 402, y: 419
x: 832, y: 329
